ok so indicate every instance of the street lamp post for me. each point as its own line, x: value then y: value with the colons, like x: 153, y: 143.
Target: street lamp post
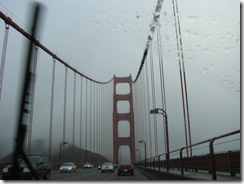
x: 145, y: 148
x: 163, y: 112
x: 60, y: 152
x: 139, y: 154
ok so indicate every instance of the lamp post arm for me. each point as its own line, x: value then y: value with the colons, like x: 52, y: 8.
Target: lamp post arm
x: 163, y: 111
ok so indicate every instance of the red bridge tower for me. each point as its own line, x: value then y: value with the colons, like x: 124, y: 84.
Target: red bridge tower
x: 119, y: 141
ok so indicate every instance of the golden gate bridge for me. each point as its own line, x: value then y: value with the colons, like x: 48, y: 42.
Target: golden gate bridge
x: 94, y: 107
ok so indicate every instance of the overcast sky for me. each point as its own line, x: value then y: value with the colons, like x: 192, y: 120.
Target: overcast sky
x: 101, y: 38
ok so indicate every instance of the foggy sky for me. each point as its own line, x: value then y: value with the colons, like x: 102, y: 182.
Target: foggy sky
x: 103, y: 38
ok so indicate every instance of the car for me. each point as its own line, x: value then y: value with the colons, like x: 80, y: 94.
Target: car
x: 39, y: 163
x: 88, y: 166
x: 67, y: 167
x: 126, y: 168
x: 107, y: 167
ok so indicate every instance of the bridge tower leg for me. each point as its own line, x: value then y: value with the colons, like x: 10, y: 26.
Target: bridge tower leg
x: 119, y: 141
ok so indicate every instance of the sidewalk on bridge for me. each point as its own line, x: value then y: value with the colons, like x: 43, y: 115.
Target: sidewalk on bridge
x: 201, y: 175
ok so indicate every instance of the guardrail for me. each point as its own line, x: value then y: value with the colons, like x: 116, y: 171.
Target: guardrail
x: 228, y: 161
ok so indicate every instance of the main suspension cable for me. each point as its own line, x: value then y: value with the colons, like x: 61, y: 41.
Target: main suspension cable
x: 10, y: 22
x: 156, y: 15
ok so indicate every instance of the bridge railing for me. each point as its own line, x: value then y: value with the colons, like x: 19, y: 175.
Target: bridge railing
x: 225, y: 161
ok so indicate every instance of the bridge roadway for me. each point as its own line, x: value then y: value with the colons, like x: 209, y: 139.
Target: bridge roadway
x: 95, y: 175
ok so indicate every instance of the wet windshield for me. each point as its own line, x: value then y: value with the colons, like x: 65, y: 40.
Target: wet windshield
x: 67, y: 164
x: 32, y: 160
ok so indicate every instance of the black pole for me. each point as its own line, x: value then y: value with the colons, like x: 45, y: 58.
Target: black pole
x: 26, y: 102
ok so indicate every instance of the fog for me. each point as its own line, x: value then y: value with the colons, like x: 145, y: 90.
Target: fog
x: 103, y: 38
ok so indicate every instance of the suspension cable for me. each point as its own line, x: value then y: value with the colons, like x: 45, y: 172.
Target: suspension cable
x: 74, y: 108
x: 51, y: 109
x: 86, y: 114
x: 184, y: 75
x: 148, y: 106
x: 156, y: 15
x: 153, y: 100
x: 4, y: 51
x: 94, y: 117
x: 81, y: 90
x: 90, y: 120
x: 162, y: 84
x: 182, y: 92
x: 9, y: 21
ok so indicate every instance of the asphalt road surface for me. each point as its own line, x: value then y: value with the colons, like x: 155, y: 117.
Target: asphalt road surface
x: 96, y: 175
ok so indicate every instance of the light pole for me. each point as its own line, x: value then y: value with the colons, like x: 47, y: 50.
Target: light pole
x: 60, y: 152
x: 163, y: 112
x: 145, y: 148
x: 139, y: 154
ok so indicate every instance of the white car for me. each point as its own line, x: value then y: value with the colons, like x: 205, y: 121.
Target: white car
x: 68, y: 167
x: 88, y: 166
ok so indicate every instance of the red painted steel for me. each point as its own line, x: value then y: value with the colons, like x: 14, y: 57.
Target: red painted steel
x: 10, y: 22
x: 119, y: 141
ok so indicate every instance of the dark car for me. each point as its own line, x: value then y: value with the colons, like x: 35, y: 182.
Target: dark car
x: 39, y: 163
x: 125, y: 168
x: 107, y: 167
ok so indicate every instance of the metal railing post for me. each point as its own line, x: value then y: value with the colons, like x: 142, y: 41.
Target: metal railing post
x: 212, y: 158
x: 181, y: 162
x: 159, y: 162
x: 154, y: 163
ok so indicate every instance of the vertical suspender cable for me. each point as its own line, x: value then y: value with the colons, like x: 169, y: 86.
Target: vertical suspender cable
x: 184, y: 77
x: 86, y: 117
x: 141, y: 102
x: 97, y: 112
x: 153, y: 102
x: 90, y: 114
x: 162, y: 84
x: 148, y: 106
x: 81, y: 113
x: 3, y: 57
x: 32, y: 95
x: 94, y: 117
x: 182, y: 92
x: 64, y: 112
x: 135, y: 102
x: 103, y: 122
x: 105, y: 125
x: 99, y: 118
x: 145, y: 105
x: 73, y: 141
x: 51, y: 109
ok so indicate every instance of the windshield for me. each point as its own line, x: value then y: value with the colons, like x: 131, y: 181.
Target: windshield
x: 67, y: 164
x: 107, y: 164
x: 32, y: 160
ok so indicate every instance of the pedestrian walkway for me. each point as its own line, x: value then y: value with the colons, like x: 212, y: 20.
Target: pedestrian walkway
x: 199, y: 175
